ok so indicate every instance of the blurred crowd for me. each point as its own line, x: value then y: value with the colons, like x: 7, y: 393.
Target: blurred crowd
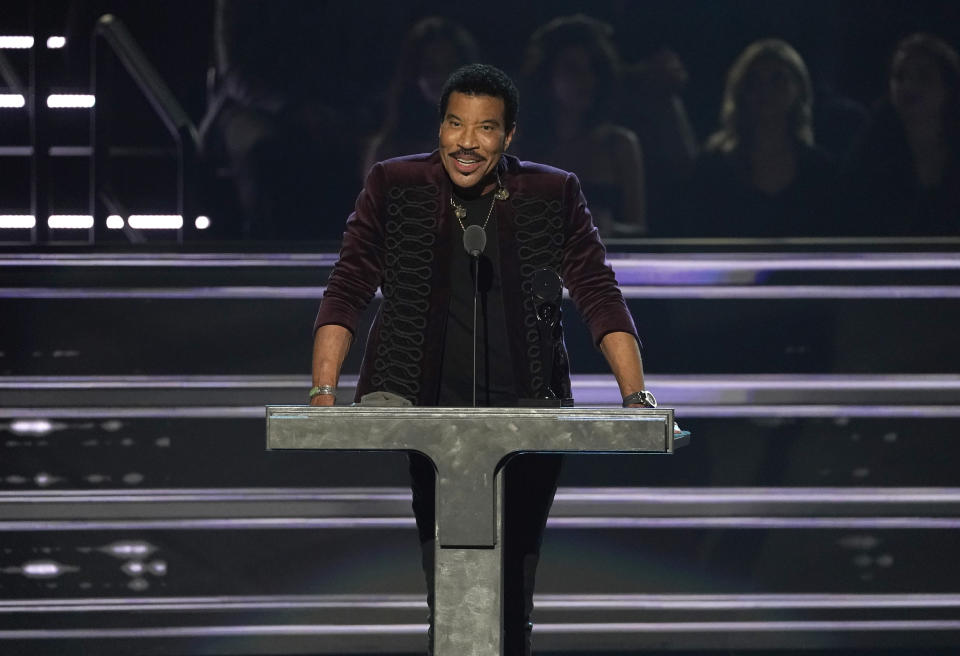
x: 787, y: 157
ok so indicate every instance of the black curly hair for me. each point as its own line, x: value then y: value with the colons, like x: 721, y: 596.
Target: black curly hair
x: 483, y: 80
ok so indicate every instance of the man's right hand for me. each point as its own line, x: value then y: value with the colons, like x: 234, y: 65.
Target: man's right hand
x: 322, y: 400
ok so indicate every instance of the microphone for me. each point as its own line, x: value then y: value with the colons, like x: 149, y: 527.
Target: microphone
x: 474, y: 240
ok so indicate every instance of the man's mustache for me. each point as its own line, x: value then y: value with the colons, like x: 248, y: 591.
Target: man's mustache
x: 472, y: 154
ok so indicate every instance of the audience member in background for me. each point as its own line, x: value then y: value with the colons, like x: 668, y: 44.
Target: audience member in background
x: 292, y: 159
x: 903, y: 177
x: 653, y: 108
x: 432, y: 50
x: 571, y: 77
x: 761, y: 174
x: 838, y: 116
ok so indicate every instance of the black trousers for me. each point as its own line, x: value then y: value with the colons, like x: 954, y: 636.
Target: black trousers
x: 531, y: 481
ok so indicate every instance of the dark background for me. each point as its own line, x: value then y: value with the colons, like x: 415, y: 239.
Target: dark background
x: 846, y: 43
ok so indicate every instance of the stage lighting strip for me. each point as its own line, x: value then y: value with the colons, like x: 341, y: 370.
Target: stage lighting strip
x: 720, y: 292
x: 419, y: 630
x: 12, y: 100
x: 546, y: 602
x: 691, y: 396
x: 570, y: 523
x: 696, y: 385
x: 682, y: 411
x: 632, y: 269
x: 696, y: 276
x: 311, y: 261
x: 54, y: 101
x: 625, y: 264
x: 388, y: 509
x: 395, y: 501
x: 27, y: 42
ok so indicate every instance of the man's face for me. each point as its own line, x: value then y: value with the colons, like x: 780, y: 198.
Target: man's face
x: 472, y: 138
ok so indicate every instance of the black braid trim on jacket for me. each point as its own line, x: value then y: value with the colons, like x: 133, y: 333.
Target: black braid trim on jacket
x: 408, y: 270
x: 540, y: 237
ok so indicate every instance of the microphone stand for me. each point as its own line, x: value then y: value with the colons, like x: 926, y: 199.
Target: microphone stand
x: 474, y: 241
x: 476, y: 292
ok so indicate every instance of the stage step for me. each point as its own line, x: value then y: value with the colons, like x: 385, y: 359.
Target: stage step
x: 238, y: 314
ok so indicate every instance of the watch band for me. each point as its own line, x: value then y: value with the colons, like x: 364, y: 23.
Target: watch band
x: 643, y: 397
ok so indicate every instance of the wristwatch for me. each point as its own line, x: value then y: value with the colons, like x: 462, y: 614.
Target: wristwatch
x: 643, y: 397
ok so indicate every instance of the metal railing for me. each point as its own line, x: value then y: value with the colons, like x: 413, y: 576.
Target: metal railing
x: 110, y: 31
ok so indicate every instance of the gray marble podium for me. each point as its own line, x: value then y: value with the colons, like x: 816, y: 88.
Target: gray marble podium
x: 468, y: 447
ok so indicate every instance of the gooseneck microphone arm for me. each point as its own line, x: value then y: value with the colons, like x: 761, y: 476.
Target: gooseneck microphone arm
x: 474, y: 241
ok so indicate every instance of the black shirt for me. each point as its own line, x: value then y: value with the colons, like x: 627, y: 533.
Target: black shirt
x: 495, y: 382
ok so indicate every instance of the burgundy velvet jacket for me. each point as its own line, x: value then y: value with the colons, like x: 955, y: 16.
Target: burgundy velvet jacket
x: 397, y: 240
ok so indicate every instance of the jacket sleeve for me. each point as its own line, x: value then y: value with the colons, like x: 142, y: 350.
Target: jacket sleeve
x: 590, y: 280
x: 358, y: 272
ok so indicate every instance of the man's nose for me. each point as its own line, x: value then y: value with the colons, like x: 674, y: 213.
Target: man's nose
x: 468, y: 138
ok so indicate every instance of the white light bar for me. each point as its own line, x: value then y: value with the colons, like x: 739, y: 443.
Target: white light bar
x: 16, y: 42
x: 70, y: 221
x: 70, y: 101
x: 202, y: 222
x: 41, y: 569
x: 155, y: 221
x: 56, y: 42
x: 21, y: 221
x: 115, y: 222
x: 12, y: 100
x: 31, y: 427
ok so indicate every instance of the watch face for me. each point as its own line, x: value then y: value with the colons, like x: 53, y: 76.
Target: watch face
x: 649, y: 399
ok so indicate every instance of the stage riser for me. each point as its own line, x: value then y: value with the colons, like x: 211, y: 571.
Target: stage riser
x: 268, y: 579
x: 809, y: 512
x: 255, y: 336
x: 111, y: 453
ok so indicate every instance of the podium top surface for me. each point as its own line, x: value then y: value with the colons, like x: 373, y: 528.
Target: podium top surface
x: 468, y: 445
x: 564, y: 430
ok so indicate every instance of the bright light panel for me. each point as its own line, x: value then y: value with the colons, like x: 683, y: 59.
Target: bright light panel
x: 70, y: 101
x: 70, y: 221
x: 202, y: 222
x: 115, y: 222
x: 55, y: 42
x: 17, y: 221
x: 12, y: 100
x: 31, y: 427
x: 41, y: 569
x: 155, y: 221
x: 16, y: 42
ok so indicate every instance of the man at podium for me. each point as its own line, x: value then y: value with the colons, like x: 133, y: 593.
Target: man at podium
x: 455, y: 240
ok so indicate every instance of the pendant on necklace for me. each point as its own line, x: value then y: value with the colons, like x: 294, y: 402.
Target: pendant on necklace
x: 502, y: 194
x: 460, y: 212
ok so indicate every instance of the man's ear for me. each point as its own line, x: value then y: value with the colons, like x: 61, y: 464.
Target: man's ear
x: 509, y: 138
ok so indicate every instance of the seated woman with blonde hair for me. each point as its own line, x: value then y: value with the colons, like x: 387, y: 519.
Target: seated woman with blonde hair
x: 761, y: 174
